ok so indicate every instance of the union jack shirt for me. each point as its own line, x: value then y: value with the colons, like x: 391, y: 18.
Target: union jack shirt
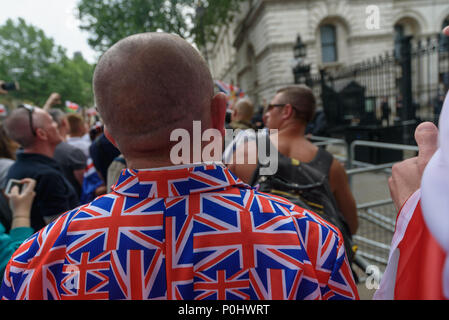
x: 183, y: 232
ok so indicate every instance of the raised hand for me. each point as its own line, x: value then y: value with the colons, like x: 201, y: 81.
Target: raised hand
x: 406, y: 175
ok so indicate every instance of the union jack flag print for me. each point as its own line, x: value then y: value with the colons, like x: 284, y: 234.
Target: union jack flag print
x: 183, y: 232
x: 233, y: 93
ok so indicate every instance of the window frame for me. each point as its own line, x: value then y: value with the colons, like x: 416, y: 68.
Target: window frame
x: 333, y: 43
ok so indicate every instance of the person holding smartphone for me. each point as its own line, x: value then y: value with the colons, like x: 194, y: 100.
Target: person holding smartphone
x: 36, y: 131
x: 20, y: 202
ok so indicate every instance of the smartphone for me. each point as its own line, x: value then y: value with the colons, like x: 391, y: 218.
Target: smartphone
x: 10, y: 86
x: 12, y: 183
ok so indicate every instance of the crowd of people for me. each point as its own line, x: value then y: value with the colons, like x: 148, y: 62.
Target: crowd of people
x: 47, y: 151
x: 101, y: 212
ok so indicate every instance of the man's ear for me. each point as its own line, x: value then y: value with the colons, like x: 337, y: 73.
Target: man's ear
x: 65, y: 123
x: 287, y: 111
x: 109, y: 137
x: 233, y: 114
x: 41, y: 134
x: 218, y: 112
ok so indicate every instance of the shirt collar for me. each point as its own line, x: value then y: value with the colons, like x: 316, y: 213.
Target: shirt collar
x: 175, y: 180
x: 37, y: 157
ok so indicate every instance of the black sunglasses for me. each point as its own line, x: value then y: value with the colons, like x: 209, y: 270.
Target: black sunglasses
x: 271, y: 106
x: 30, y: 110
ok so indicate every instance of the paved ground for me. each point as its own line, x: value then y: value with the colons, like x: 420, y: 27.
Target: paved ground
x: 367, y: 188
x: 364, y: 293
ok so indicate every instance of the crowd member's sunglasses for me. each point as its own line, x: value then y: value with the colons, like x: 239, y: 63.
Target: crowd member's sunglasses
x: 271, y: 106
x: 30, y: 110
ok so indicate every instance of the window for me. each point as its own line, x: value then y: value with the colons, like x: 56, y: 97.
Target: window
x: 328, y: 43
x: 398, y: 35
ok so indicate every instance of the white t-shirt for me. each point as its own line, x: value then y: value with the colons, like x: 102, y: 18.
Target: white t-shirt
x: 81, y: 143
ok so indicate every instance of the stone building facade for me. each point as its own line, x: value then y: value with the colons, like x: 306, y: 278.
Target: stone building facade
x: 255, y: 52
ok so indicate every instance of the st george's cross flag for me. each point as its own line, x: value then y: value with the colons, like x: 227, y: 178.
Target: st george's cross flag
x: 418, y: 265
x: 415, y: 264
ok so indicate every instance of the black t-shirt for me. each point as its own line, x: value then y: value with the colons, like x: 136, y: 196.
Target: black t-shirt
x: 103, y: 152
x: 54, y: 193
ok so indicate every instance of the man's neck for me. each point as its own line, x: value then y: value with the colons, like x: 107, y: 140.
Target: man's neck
x: 150, y: 163
x: 42, y: 149
x: 76, y: 135
x: 241, y: 119
x: 167, y: 156
x: 292, y: 129
x: 147, y: 163
x: 63, y: 132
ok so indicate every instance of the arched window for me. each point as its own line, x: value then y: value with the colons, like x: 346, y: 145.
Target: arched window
x: 328, y: 43
x: 398, y: 35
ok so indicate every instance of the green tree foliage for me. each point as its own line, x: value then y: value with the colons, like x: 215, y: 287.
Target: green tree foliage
x: 41, y: 67
x: 211, y: 14
x: 108, y: 21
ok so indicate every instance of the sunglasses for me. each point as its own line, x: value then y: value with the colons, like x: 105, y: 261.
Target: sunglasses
x: 30, y: 110
x: 271, y: 106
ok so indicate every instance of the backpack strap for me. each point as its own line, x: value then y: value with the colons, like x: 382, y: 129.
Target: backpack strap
x: 281, y: 158
x: 322, y: 161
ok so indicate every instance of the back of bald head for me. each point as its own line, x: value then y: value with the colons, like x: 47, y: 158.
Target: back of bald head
x: 245, y: 109
x: 17, y: 127
x: 149, y: 84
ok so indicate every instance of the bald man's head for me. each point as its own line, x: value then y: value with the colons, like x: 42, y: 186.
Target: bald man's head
x: 17, y: 127
x: 149, y: 84
x: 244, y: 110
x: 20, y: 127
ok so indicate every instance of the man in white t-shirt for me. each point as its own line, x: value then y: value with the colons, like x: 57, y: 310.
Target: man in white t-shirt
x: 77, y: 133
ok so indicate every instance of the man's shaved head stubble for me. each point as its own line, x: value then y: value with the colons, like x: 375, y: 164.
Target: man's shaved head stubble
x: 146, y: 86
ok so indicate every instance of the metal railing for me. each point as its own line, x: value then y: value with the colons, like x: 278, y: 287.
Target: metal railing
x: 326, y: 141
x: 373, y: 144
x: 376, y: 218
x: 413, y: 74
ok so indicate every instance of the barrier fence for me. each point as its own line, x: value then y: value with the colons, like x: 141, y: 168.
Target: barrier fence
x: 377, y: 216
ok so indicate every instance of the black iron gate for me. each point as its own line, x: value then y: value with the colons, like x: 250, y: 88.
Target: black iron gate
x: 388, y: 95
